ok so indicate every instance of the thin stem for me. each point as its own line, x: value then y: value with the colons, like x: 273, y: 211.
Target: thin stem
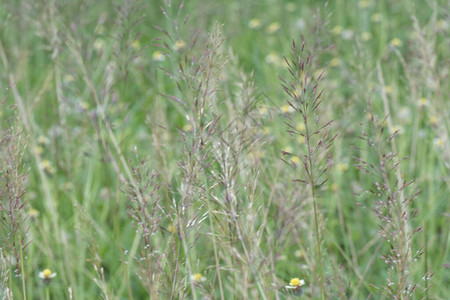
x: 215, y: 253
x: 10, y: 275
x: 116, y: 228
x: 247, y: 254
x: 400, y: 206
x: 316, y: 223
x: 185, y: 243
x: 316, y: 219
x: 22, y: 269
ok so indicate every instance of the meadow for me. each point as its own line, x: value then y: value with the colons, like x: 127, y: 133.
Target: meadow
x: 224, y: 149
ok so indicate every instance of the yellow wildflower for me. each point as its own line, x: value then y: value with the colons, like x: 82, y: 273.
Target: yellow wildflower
x: 300, y: 126
x: 433, y: 120
x: 388, y: 89
x: 273, y: 27
x: 364, y: 3
x: 262, y: 110
x: 376, y: 17
x: 397, y: 129
x: 337, y: 30
x: 266, y: 130
x: 33, y: 213
x: 423, y: 102
x: 187, y: 128
x: 335, y: 62
x: 47, y: 275
x: 296, y: 284
x: 42, y: 140
x: 254, y: 23
x: 38, y: 150
x: 68, y: 78
x: 299, y: 253
x: 287, y: 108
x: 84, y: 105
x: 438, y: 142
x: 290, y: 6
x: 197, y: 278
x: 342, y: 167
x: 396, y: 42
x: 334, y: 187
x: 172, y: 229
x: 136, y: 44
x: 47, y: 166
x: 179, y: 45
x: 288, y: 149
x: 158, y: 56
x: 366, y: 36
x: 99, y: 44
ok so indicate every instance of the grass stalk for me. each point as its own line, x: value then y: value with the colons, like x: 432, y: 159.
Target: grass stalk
x: 216, y: 255
x: 316, y: 216
x: 305, y: 98
x: 22, y: 269
x: 224, y: 217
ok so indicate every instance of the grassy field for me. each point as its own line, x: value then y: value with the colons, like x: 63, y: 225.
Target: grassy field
x: 224, y: 149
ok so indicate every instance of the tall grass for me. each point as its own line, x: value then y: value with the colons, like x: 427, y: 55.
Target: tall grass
x: 174, y: 153
x: 306, y: 98
x: 14, y: 228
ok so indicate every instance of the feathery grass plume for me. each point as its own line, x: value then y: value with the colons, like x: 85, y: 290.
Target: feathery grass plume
x: 5, y: 292
x: 87, y: 232
x: 318, y: 26
x: 393, y: 205
x: 426, y: 72
x: 315, y: 157
x: 146, y: 213
x: 127, y: 46
x: 197, y: 82
x: 428, y: 80
x: 13, y: 218
x: 106, y: 91
x: 235, y: 212
x: 102, y: 91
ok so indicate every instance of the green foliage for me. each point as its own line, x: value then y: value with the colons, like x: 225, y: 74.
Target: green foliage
x: 162, y: 152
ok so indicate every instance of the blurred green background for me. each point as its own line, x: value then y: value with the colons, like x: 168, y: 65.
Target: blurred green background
x: 71, y: 67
